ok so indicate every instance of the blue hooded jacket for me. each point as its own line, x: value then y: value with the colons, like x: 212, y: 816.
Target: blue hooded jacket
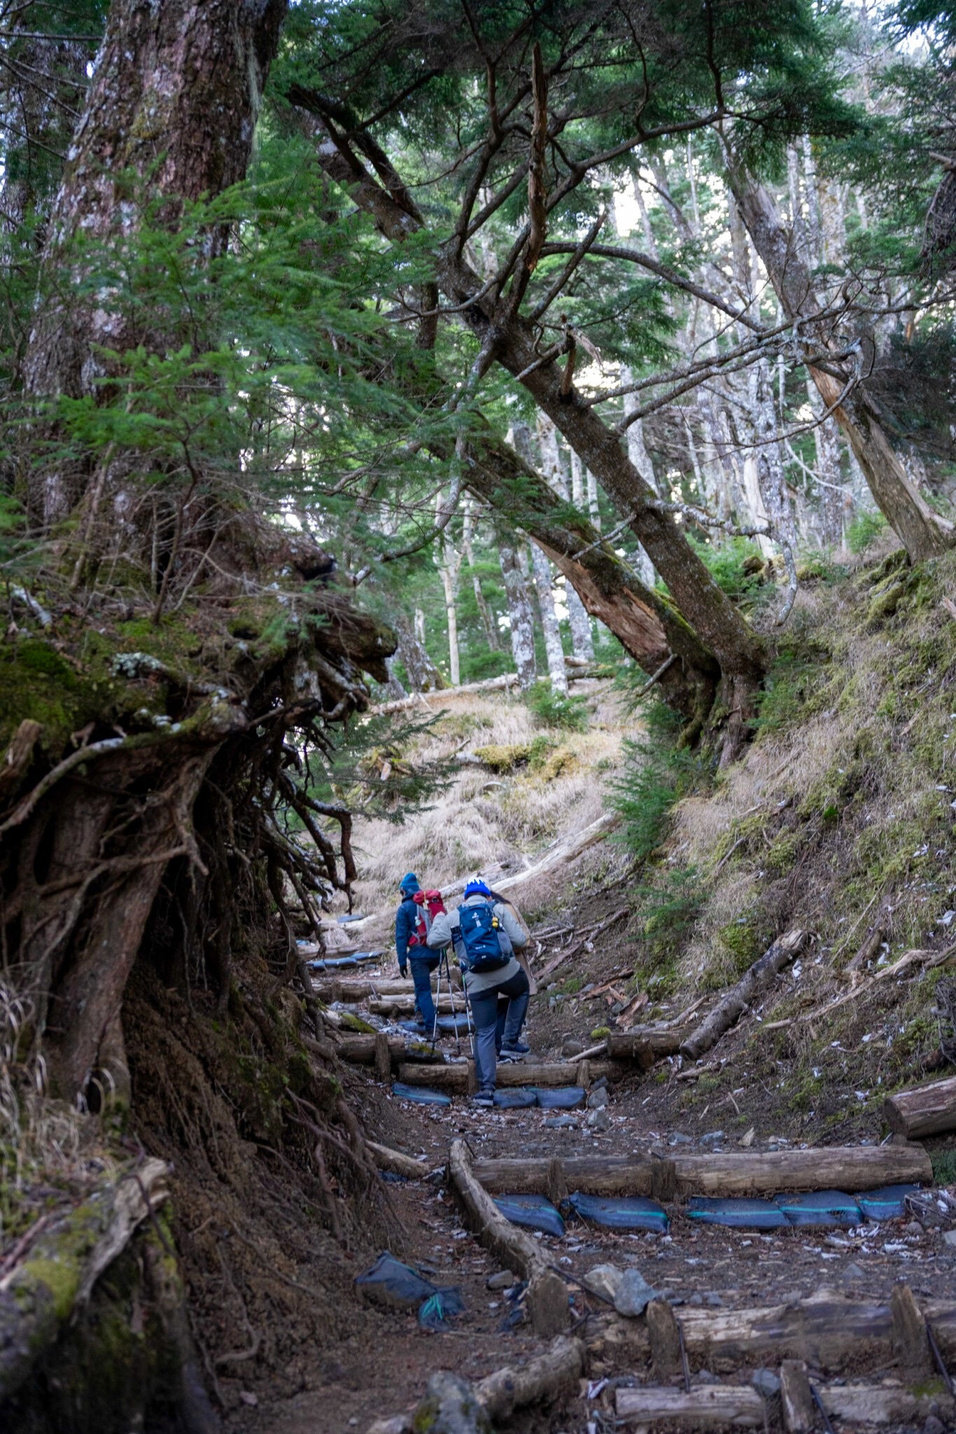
x: 406, y: 918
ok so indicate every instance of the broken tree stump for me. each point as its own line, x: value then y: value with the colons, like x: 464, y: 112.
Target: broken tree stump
x: 924, y: 1110
x: 644, y: 1044
x: 547, y: 1293
x: 909, y: 1336
x: 854, y: 1167
x: 586, y: 1174
x: 664, y: 1338
x: 696, y: 1409
x: 796, y: 1398
x: 754, y: 983
x: 383, y: 1058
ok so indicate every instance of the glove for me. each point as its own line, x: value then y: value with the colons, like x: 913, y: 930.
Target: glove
x: 404, y: 971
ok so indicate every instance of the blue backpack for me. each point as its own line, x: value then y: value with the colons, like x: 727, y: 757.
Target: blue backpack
x: 480, y: 943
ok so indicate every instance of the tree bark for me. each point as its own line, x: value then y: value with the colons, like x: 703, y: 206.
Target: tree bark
x: 520, y: 614
x: 589, y: 1174
x: 757, y: 979
x: 848, y: 1168
x: 923, y: 533
x: 163, y: 71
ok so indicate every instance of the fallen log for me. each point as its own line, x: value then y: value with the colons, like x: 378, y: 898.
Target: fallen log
x: 644, y: 1044
x: 547, y: 1293
x: 56, y: 1275
x: 854, y: 1167
x: 396, y: 1161
x: 709, y: 1407
x: 924, y: 1110
x: 404, y: 1005
x: 587, y: 1174
x: 353, y: 989
x: 754, y: 983
x: 877, y: 1404
x: 539, y: 1381
x: 360, y: 1049
x: 456, y: 1079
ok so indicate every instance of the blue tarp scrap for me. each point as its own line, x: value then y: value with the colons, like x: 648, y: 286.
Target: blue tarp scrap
x: 887, y: 1203
x: 419, y: 1094
x: 621, y: 1213
x: 435, y: 1312
x: 532, y: 1211
x: 736, y: 1214
x: 398, y: 1286
x: 822, y: 1208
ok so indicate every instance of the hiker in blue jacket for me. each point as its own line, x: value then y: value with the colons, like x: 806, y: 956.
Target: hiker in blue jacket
x: 411, y: 950
x: 498, y: 996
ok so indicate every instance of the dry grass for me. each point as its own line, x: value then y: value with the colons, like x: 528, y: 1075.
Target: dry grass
x: 486, y: 822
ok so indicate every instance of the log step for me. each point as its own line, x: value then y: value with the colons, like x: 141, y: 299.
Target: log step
x: 457, y: 1079
x: 714, y: 1406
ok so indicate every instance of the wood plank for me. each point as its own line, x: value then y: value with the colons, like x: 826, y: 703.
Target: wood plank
x: 588, y: 1174
x: 854, y: 1167
x: 713, y: 1406
x: 924, y: 1110
x: 664, y: 1336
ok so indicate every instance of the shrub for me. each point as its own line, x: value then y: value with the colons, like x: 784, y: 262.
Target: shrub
x: 553, y: 709
x: 864, y: 531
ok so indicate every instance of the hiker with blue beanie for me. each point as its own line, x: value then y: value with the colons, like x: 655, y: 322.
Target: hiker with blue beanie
x: 412, y: 951
x: 485, y: 935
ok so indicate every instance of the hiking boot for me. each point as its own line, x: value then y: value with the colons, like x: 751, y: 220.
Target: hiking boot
x: 515, y: 1051
x: 485, y: 1099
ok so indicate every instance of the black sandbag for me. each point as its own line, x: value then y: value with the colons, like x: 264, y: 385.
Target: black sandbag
x: 439, y: 1308
x: 447, y: 1026
x: 737, y: 1213
x: 329, y: 963
x: 389, y: 1282
x: 532, y: 1211
x: 631, y: 1212
x: 565, y: 1097
x: 822, y: 1208
x: 419, y: 1094
x: 887, y: 1203
x: 516, y: 1098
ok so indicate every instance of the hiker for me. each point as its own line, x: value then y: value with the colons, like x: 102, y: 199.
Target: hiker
x: 411, y: 930
x: 485, y: 934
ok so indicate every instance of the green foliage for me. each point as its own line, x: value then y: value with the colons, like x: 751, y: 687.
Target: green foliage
x: 735, y: 565
x: 552, y: 709
x: 863, y: 531
x: 657, y: 772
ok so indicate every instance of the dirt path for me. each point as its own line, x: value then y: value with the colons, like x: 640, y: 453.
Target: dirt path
x: 382, y: 1369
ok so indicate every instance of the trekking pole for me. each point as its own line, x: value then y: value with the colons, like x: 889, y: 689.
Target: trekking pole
x: 451, y: 997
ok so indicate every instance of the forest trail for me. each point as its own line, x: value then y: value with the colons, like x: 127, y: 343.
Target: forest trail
x: 705, y: 1270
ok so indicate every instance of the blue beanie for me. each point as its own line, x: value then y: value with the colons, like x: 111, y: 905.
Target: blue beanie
x: 409, y: 883
x: 477, y: 888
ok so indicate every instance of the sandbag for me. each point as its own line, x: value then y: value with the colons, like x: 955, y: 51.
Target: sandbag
x: 821, y: 1208
x: 737, y: 1213
x: 515, y: 1098
x: 620, y: 1213
x: 328, y: 963
x: 419, y: 1095
x: 887, y: 1203
x: 391, y: 1283
x: 565, y: 1097
x: 447, y: 1025
x: 532, y: 1211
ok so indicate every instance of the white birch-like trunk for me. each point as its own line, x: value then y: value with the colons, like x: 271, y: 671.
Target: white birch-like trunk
x: 520, y: 613
x: 582, y: 641
x: 543, y: 581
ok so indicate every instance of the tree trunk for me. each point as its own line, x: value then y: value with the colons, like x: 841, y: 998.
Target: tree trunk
x: 641, y: 619
x: 549, y: 619
x: 421, y: 673
x: 922, y: 532
x: 925, y: 1110
x: 449, y: 566
x: 520, y: 614
x: 489, y: 626
x: 163, y: 71
x: 553, y: 469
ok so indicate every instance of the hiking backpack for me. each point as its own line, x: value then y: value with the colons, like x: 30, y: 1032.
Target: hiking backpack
x: 480, y: 942
x: 429, y: 904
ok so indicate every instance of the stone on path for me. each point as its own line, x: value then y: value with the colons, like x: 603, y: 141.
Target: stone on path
x: 450, y: 1407
x: 633, y: 1294
x: 603, y: 1280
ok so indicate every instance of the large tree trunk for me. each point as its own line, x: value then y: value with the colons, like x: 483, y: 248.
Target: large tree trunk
x: 923, y: 533
x: 582, y: 644
x: 541, y: 572
x: 174, y: 99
